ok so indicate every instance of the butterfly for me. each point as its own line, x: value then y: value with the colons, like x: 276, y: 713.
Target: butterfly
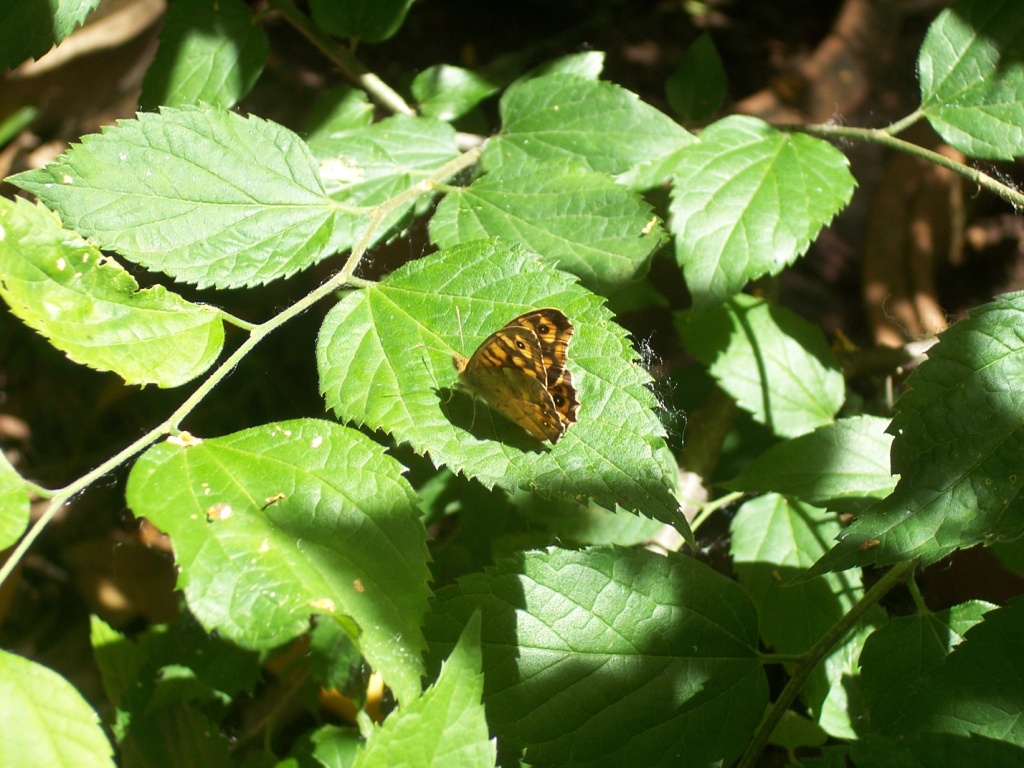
x: 519, y: 371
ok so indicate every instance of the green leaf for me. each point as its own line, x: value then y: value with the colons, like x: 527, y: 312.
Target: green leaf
x: 835, y: 697
x: 588, y: 64
x: 209, y: 52
x: 577, y: 525
x: 14, y: 504
x: 30, y: 29
x: 748, y: 200
x: 612, y: 657
x: 979, y: 688
x: 582, y: 221
x: 843, y: 466
x: 363, y: 167
x: 338, y: 109
x: 959, y: 437
x: 900, y: 654
x: 795, y: 731
x: 493, y: 524
x: 156, y: 677
x: 697, y: 88
x: 385, y: 360
x: 772, y: 541
x: 92, y: 310
x: 118, y: 659
x: 328, y: 746
x: 776, y: 365
x: 562, y: 117
x: 928, y: 750
x: 44, y: 721
x: 169, y: 663
x: 372, y: 21
x: 335, y: 661
x: 203, y: 194
x: 276, y: 523
x: 447, y: 93
x: 446, y: 724
x: 971, y: 69
x: 178, y: 734
x: 1010, y: 555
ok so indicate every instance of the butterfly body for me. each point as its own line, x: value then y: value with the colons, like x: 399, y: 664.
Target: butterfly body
x: 519, y: 371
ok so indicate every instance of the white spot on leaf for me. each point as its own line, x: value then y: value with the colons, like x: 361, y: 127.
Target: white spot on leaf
x: 220, y: 511
x: 337, y: 170
x: 184, y: 439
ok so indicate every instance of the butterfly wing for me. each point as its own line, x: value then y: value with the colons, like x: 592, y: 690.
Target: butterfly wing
x: 553, y: 331
x: 563, y: 395
x: 508, y: 372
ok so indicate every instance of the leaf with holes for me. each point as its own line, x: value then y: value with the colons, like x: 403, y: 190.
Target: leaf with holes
x: 276, y: 523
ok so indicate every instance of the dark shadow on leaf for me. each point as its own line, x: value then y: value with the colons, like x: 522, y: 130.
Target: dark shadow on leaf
x: 674, y: 669
x: 482, y: 422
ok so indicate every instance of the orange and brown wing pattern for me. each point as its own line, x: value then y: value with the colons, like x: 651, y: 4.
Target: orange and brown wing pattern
x: 507, y: 371
x: 511, y: 347
x: 519, y: 370
x: 563, y: 394
x: 553, y: 331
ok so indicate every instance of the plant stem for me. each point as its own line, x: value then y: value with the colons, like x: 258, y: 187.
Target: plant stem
x: 876, y: 136
x: 258, y: 333
x: 708, y: 508
x: 346, y: 61
x: 803, y: 670
x: 903, y: 123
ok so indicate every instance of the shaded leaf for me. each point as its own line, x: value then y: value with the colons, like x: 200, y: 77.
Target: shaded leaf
x: 372, y: 21
x: 697, y: 88
x: 30, y: 29
x: 900, y: 654
x: 585, y: 650
x: 959, y: 435
x: 979, y: 689
x: 934, y: 750
x: 774, y: 540
x: 209, y: 53
x: 843, y: 466
x: 775, y: 364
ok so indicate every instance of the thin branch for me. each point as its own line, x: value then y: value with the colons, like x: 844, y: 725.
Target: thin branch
x: 346, y: 61
x: 1009, y: 194
x: 805, y: 668
x: 171, y: 423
